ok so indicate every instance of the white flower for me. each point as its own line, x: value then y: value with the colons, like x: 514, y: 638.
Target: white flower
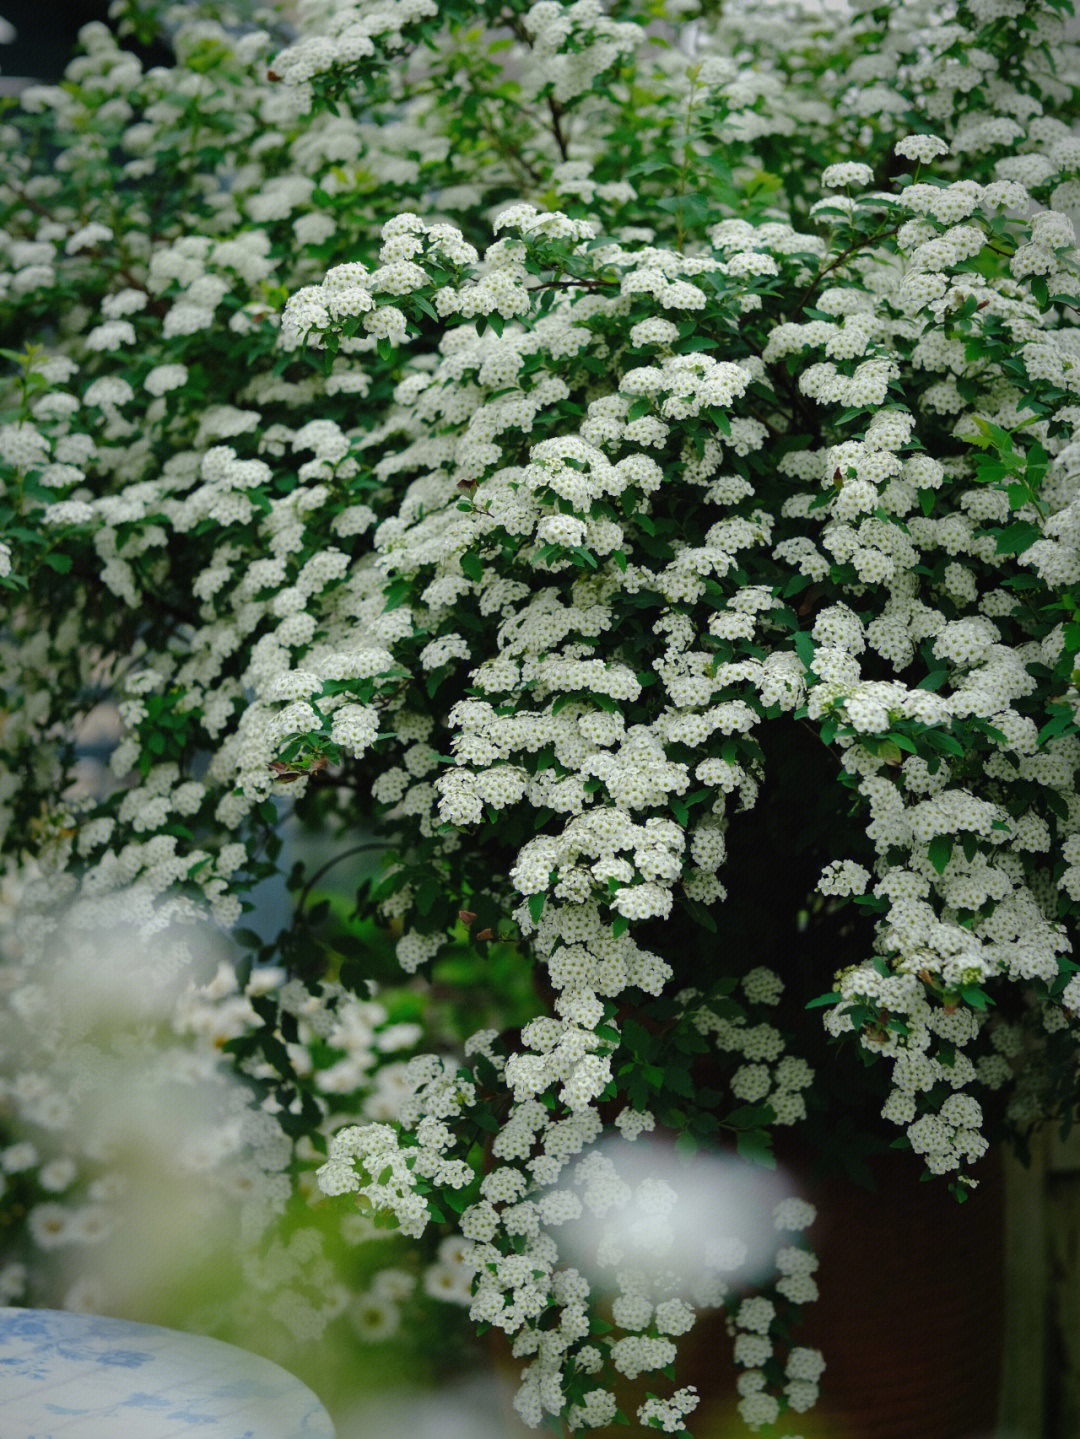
x: 920, y: 148
x: 163, y: 378
x: 842, y: 877
x: 847, y: 173
x: 562, y: 530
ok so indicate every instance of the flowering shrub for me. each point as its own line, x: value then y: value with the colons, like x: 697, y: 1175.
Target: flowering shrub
x: 523, y: 434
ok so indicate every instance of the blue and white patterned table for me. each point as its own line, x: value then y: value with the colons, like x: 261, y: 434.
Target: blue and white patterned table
x: 80, y: 1376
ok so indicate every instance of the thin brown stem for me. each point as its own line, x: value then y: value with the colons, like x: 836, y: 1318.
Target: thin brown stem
x: 330, y: 863
x: 556, y: 125
x: 842, y: 259
x: 514, y: 24
x: 684, y: 170
x: 573, y: 284
x: 509, y: 154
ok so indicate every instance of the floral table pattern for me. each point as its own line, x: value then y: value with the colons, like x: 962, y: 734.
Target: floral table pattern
x: 81, y: 1376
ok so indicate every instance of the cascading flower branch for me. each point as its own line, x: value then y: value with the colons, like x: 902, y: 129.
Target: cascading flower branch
x: 670, y: 470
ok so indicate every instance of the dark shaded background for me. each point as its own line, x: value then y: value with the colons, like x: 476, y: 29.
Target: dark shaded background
x: 46, y: 31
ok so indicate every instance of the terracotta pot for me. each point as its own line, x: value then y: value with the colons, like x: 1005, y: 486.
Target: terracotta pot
x: 910, y: 1316
x: 911, y: 1309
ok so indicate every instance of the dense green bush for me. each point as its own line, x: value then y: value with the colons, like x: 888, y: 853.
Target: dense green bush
x: 619, y: 461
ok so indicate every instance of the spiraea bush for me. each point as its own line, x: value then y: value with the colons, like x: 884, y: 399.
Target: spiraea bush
x: 621, y: 461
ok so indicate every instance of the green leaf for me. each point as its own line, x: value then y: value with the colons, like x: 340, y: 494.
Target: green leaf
x: 700, y: 915
x: 976, y: 997
x: 756, y: 1146
x: 1060, y: 725
x: 686, y: 1146
x: 993, y: 434
x: 428, y: 892
x: 938, y: 739
x: 940, y: 851
x: 472, y: 566
x: 903, y: 741
x: 1015, y: 539
x: 804, y: 647
x: 750, y: 1116
x: 536, y: 906
x: 397, y: 592
x: 824, y: 999
x: 638, y: 1039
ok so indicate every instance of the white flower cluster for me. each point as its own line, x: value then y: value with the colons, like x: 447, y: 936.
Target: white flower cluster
x: 668, y: 1414
x: 368, y: 1161
x: 348, y: 292
x: 95, y: 1106
x: 354, y: 34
